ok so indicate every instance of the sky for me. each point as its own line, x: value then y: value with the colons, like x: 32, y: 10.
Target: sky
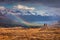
x: 44, y: 7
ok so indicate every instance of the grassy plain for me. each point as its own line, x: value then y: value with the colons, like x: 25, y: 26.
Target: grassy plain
x: 29, y: 33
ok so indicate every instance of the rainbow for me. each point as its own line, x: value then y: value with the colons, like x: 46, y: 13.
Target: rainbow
x: 25, y: 22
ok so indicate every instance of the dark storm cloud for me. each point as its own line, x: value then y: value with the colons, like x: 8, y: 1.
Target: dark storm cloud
x: 49, y: 3
x: 33, y: 0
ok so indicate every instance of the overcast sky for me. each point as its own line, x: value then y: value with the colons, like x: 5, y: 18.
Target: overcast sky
x: 52, y: 7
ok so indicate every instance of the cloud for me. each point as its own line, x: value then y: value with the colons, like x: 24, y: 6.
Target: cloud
x: 2, y: 7
x: 43, y: 13
x: 53, y: 11
x: 24, y: 7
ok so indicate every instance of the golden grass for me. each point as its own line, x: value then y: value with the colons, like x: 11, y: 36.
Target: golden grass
x: 29, y: 34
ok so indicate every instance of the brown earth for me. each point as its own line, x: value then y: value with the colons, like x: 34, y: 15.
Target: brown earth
x: 29, y: 33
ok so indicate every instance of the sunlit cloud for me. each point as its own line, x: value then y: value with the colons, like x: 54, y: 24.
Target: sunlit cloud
x: 43, y: 13
x: 24, y: 7
x: 2, y: 7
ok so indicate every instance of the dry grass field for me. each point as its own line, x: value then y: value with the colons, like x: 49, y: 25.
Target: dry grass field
x: 29, y: 33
